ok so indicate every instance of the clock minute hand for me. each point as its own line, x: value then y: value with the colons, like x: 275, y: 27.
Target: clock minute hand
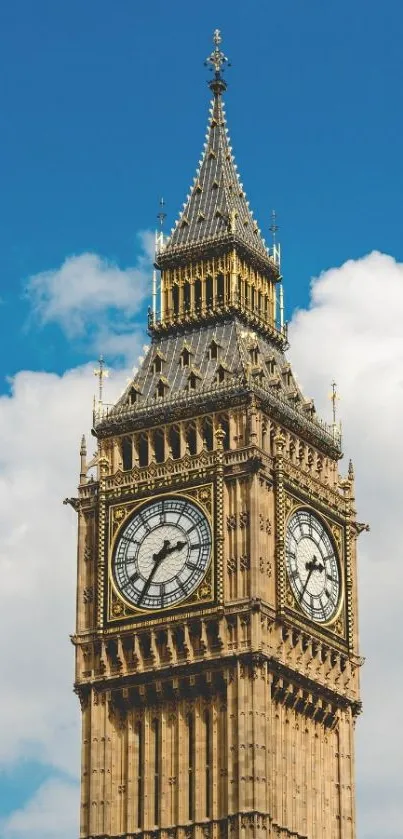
x: 158, y: 558
x: 311, y: 568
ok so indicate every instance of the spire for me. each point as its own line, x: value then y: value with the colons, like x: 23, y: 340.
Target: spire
x: 216, y: 211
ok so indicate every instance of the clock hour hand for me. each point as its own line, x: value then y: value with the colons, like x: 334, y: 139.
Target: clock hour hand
x: 311, y: 566
x: 158, y: 557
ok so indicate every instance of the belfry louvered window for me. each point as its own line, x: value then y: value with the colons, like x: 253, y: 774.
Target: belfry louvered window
x: 127, y: 453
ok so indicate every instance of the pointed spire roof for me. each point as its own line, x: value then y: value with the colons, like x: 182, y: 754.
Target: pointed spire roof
x: 216, y: 210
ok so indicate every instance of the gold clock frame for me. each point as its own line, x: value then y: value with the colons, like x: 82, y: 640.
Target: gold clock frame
x: 119, y: 609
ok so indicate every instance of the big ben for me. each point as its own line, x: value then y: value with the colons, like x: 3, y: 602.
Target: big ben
x: 217, y: 660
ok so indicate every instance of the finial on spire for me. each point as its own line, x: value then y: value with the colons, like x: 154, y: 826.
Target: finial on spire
x: 102, y: 374
x: 217, y: 61
x: 274, y: 226
x: 161, y: 216
x: 334, y: 397
x: 83, y: 460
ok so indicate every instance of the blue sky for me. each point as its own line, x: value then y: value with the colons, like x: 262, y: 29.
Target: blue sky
x: 103, y: 109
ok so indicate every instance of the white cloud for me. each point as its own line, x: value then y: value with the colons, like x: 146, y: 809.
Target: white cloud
x: 355, y: 320
x: 91, y: 298
x: 353, y: 333
x: 52, y: 813
x: 41, y: 424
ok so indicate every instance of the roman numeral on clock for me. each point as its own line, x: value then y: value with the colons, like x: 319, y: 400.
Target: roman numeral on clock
x: 132, y: 579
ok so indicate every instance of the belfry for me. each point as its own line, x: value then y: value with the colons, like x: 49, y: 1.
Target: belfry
x: 217, y: 661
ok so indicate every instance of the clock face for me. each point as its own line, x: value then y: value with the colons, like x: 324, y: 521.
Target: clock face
x: 162, y: 553
x: 312, y: 567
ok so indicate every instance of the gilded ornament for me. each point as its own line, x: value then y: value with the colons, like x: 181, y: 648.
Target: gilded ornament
x: 204, y: 592
x: 339, y: 627
x: 336, y: 531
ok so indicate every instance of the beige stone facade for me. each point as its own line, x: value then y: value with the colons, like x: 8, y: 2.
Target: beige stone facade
x: 231, y: 712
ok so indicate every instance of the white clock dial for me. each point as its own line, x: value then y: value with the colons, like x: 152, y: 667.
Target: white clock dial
x: 312, y: 567
x: 162, y: 553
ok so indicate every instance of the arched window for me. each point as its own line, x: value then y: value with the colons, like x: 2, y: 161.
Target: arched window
x: 157, y: 364
x: 185, y: 357
x: 209, y: 292
x: 186, y: 296
x: 191, y: 438
x: 207, y: 433
x: 220, y: 375
x: 175, y: 441
x: 220, y: 288
x: 175, y: 299
x: 127, y: 453
x: 213, y: 350
x: 159, y: 445
x: 192, y: 381
x: 143, y: 449
x: 161, y: 388
x: 198, y: 295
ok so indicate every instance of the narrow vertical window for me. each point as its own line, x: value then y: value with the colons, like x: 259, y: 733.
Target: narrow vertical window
x: 209, y: 292
x: 127, y: 453
x: 208, y: 760
x: 156, y: 729
x: 140, y: 770
x: 190, y: 723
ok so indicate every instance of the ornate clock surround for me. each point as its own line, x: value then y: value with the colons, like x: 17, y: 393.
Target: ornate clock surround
x: 204, y: 496
x: 338, y: 625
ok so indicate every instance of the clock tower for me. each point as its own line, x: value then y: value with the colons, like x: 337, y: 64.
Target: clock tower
x: 216, y: 640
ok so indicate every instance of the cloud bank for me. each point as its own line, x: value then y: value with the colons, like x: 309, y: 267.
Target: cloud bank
x: 93, y: 299
x: 351, y: 333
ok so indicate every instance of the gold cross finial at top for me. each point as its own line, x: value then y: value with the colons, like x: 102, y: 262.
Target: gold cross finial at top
x: 102, y: 374
x: 217, y: 60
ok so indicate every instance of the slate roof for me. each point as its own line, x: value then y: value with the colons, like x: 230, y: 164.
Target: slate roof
x: 234, y: 353
x: 271, y: 378
x: 216, y: 208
